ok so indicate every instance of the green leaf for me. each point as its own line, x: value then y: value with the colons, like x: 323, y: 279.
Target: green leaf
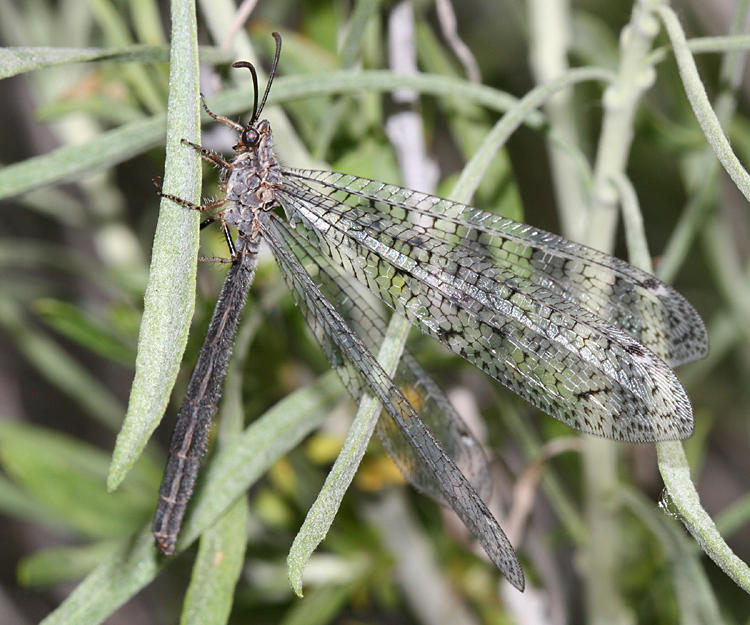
x: 235, y: 468
x: 67, y: 477
x: 115, y: 146
x: 370, y: 159
x: 321, y: 514
x: 59, y: 368
x: 170, y: 293
x: 735, y: 516
x: 320, y: 606
x: 14, y: 61
x: 16, y: 502
x: 217, y: 568
x: 63, y: 564
x: 136, y: 562
x: 69, y: 162
x: 78, y: 326
x: 128, y: 569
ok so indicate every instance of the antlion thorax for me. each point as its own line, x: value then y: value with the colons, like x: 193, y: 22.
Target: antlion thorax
x: 252, y: 183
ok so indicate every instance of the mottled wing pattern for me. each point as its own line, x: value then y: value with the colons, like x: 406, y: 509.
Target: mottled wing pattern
x: 343, y: 346
x: 468, y: 283
x: 512, y: 252
x: 425, y: 396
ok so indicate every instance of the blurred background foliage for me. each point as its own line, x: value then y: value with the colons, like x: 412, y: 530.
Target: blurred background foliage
x: 75, y: 242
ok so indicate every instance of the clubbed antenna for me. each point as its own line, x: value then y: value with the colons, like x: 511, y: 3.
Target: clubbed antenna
x: 251, y: 67
x: 271, y: 74
x: 258, y: 108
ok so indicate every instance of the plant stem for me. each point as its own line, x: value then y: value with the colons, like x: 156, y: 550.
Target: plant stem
x: 549, y: 41
x: 603, y: 602
x: 673, y: 464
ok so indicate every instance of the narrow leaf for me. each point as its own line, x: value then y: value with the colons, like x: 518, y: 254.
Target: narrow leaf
x: 63, y: 564
x: 170, y: 293
x: 136, y: 562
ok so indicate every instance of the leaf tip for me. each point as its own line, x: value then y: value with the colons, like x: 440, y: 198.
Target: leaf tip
x: 117, y: 473
x: 295, y: 577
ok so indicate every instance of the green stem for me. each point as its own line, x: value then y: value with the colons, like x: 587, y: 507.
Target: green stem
x: 550, y: 34
x: 673, y: 464
x: 518, y: 114
x: 704, y: 113
x: 604, y: 604
x: 704, y: 193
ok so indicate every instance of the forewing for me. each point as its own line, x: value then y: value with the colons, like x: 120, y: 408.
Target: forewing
x: 535, y: 339
x: 624, y: 296
x: 350, y: 355
x: 425, y: 396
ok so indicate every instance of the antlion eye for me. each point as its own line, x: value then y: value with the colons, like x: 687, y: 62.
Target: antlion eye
x: 250, y: 137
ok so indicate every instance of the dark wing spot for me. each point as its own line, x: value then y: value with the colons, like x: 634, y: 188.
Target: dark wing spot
x: 446, y: 334
x: 635, y: 349
x: 590, y: 393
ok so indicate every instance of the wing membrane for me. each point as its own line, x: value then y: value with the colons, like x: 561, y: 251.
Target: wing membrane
x: 536, y: 340
x: 624, y: 296
x: 433, y: 407
x: 361, y: 371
